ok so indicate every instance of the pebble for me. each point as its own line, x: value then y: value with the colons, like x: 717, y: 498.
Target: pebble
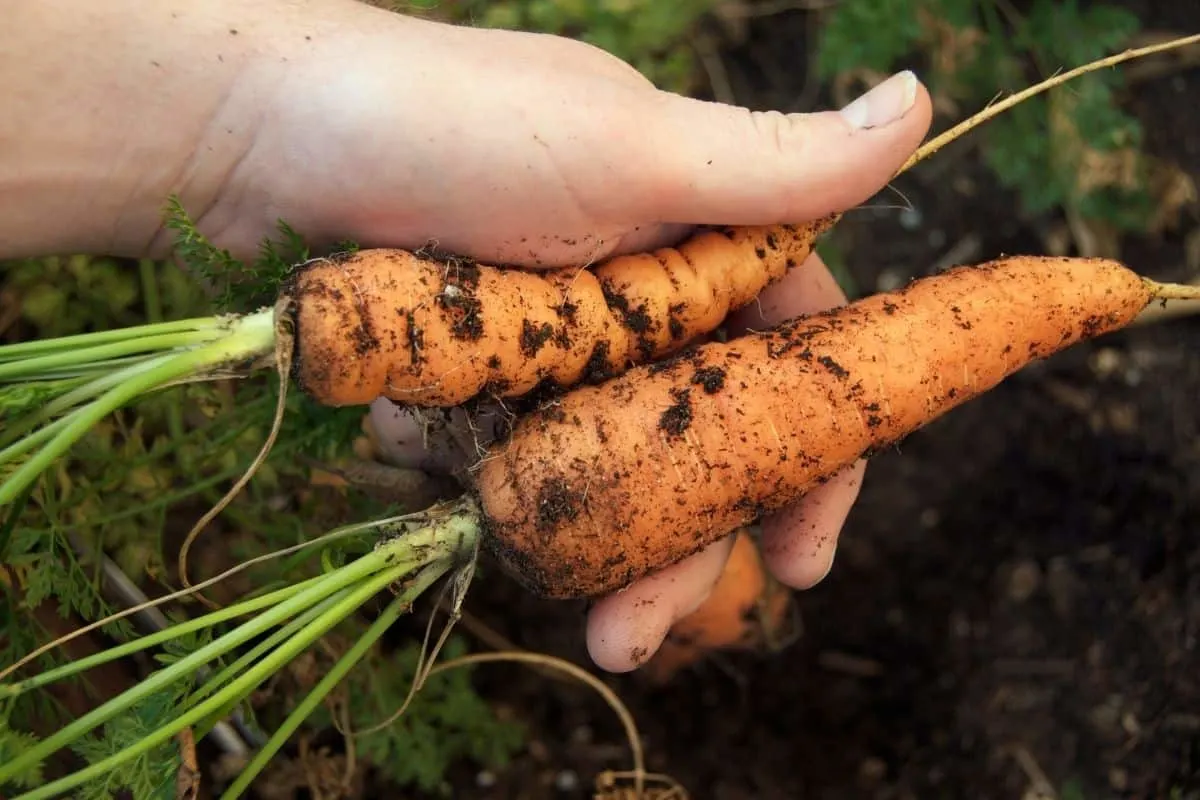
x: 566, y: 781
x: 1106, y: 361
x: 1024, y: 580
x: 910, y: 218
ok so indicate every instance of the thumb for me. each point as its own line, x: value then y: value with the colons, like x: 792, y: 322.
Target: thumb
x: 715, y: 163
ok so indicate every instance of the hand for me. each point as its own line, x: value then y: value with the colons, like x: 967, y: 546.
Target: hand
x: 352, y: 122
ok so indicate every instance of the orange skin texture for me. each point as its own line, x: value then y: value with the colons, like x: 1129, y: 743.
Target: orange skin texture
x: 427, y: 331
x: 611, y: 482
x: 745, y: 611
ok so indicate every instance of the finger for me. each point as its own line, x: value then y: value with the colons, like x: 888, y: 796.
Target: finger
x: 439, y: 441
x: 625, y: 629
x: 706, y: 162
x: 799, y: 542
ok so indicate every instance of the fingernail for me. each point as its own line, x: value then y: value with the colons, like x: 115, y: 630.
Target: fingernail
x: 885, y: 103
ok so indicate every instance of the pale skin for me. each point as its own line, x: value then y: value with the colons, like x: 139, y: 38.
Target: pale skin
x: 354, y: 123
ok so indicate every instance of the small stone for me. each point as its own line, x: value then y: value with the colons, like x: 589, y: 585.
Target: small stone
x: 485, y: 779
x: 1118, y: 779
x: 911, y: 218
x: 566, y: 781
x: 1105, y: 362
x: 1023, y: 581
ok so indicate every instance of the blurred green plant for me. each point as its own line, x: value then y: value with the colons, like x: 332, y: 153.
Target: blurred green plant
x: 1074, y: 149
x: 654, y: 37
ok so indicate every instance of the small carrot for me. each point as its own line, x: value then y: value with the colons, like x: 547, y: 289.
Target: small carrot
x: 746, y: 610
x: 611, y: 482
x: 427, y: 331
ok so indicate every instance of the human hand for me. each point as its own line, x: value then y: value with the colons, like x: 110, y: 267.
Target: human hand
x: 354, y: 123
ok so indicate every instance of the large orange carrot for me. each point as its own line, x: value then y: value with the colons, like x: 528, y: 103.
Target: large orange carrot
x: 746, y: 610
x: 427, y: 331
x: 611, y: 482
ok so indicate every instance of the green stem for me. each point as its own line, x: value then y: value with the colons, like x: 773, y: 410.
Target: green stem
x: 10, y: 352
x: 346, y: 576
x: 22, y: 446
x: 83, y: 371
x: 28, y: 368
x: 151, y: 639
x: 422, y: 581
x: 251, y: 337
x: 239, y: 688
x: 150, y: 293
x: 87, y: 391
x: 85, y: 418
x: 222, y: 677
x: 10, y: 524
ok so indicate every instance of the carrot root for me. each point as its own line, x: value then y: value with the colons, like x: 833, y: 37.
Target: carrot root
x: 611, y: 482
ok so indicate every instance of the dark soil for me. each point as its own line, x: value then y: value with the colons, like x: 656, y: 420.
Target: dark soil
x: 1016, y: 595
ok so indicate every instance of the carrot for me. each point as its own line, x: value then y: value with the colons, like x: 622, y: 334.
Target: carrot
x: 428, y: 331
x: 611, y: 482
x: 746, y: 610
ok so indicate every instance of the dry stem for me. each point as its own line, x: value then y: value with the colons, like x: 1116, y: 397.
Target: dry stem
x: 945, y: 138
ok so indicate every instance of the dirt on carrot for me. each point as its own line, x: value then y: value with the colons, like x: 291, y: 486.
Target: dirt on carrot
x: 614, y: 481
x: 430, y: 330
